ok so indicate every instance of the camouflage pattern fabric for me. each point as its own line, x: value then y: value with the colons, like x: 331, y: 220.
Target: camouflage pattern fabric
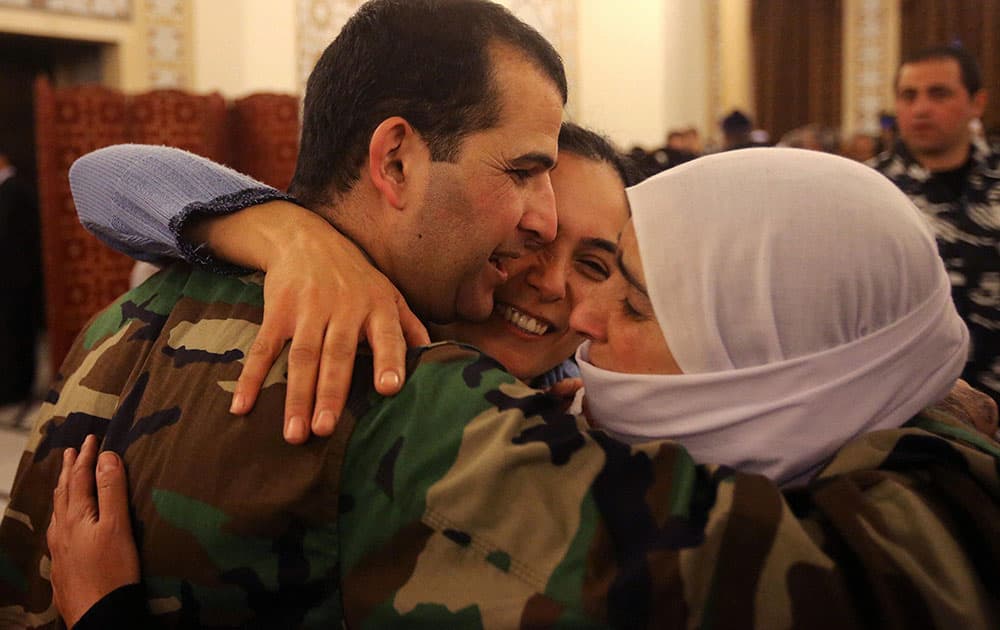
x: 469, y: 500
x: 967, y: 229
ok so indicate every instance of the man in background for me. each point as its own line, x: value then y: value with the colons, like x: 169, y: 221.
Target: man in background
x: 20, y: 285
x: 951, y: 174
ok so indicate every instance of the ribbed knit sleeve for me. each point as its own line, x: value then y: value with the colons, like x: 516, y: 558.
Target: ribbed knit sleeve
x: 137, y: 199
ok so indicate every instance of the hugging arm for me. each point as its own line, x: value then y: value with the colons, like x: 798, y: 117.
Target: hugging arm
x: 158, y: 203
x: 94, y: 559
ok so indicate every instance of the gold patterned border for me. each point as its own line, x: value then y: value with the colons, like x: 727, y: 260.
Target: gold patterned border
x: 317, y: 22
x: 558, y: 22
x: 871, y: 45
x: 168, y: 34
x: 108, y: 9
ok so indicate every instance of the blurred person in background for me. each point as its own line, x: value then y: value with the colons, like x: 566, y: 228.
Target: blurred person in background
x: 953, y: 176
x: 20, y: 285
x: 814, y: 137
x: 860, y: 147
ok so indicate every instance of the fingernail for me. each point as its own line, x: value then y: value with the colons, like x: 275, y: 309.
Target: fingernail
x: 295, y: 429
x: 89, y: 440
x: 324, y: 422
x: 388, y: 379
x: 107, y: 462
x: 237, y: 404
x: 68, y: 454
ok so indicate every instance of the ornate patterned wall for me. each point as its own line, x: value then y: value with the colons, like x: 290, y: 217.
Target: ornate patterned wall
x: 114, y: 9
x: 169, y: 36
x: 716, y: 104
x: 557, y: 21
x: 871, y: 52
x: 319, y: 21
x: 167, y: 26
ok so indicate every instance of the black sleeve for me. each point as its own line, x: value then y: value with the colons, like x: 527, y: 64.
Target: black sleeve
x: 122, y: 609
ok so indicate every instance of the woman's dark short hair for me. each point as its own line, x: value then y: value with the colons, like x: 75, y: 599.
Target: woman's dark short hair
x: 591, y: 145
x: 427, y: 61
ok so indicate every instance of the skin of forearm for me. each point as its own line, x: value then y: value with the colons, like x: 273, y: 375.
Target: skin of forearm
x: 252, y: 236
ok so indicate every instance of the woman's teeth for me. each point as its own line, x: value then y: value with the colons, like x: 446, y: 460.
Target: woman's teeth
x: 526, y: 323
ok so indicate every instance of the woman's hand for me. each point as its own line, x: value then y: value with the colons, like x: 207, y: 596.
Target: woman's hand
x: 566, y: 390
x: 321, y: 292
x: 90, y: 538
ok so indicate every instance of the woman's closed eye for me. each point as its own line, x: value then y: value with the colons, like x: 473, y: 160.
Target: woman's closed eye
x: 632, y: 312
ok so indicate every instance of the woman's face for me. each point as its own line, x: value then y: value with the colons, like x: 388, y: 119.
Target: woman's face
x: 529, y: 331
x: 618, y: 319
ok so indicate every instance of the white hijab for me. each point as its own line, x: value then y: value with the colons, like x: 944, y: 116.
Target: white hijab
x: 802, y: 296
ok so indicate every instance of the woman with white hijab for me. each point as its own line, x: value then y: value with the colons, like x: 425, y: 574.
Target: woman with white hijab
x: 778, y: 303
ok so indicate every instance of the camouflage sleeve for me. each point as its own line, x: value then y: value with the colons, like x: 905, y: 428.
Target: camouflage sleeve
x: 469, y: 500
x: 233, y: 525
x: 85, y: 395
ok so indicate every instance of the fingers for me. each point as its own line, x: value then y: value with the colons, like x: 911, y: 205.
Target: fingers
x: 265, y: 349
x: 60, y: 498
x: 566, y: 387
x: 385, y: 336
x: 112, y: 493
x: 303, y: 366
x: 80, y: 502
x: 334, y: 384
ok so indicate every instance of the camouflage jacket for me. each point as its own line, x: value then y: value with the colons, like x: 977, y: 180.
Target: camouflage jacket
x: 968, y: 236
x: 470, y: 500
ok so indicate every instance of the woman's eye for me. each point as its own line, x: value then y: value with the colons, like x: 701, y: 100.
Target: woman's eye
x: 631, y: 312
x: 593, y: 269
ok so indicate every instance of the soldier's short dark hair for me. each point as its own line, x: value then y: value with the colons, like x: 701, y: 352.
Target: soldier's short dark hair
x: 427, y: 61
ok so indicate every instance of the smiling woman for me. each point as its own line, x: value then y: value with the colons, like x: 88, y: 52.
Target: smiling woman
x: 529, y: 332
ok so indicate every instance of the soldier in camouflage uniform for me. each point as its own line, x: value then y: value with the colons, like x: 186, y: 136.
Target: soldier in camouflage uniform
x: 954, y: 178
x: 447, y: 116
x: 470, y: 500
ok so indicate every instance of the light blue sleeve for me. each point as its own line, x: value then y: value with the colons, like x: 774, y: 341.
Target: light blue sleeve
x: 137, y: 199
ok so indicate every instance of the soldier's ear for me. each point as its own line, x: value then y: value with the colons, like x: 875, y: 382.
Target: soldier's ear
x: 397, y: 156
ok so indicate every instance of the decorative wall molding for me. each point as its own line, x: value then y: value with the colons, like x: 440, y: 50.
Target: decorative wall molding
x: 871, y: 52
x: 168, y: 34
x: 317, y: 22
x: 716, y: 105
x: 108, y: 9
x: 557, y: 21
